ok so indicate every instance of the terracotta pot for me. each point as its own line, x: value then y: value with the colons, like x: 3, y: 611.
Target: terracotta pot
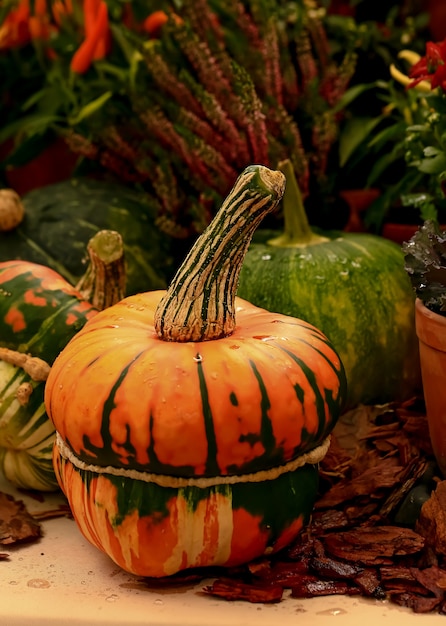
x: 54, y: 164
x: 431, y: 332
x: 399, y: 233
x: 437, y: 18
x: 358, y: 201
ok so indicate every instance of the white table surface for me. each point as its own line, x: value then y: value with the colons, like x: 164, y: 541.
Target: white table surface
x: 62, y: 580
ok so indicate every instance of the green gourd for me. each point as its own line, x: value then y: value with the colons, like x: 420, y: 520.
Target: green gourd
x: 61, y: 218
x: 353, y: 286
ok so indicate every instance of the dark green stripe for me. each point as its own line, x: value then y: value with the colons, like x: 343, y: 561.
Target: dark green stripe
x: 212, y: 468
x: 105, y: 454
x: 333, y: 404
x: 266, y: 428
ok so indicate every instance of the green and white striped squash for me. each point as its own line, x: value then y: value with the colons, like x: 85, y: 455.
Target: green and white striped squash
x: 26, y: 433
x: 352, y: 286
x: 189, y: 422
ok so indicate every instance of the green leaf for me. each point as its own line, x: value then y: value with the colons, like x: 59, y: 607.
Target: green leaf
x: 433, y: 165
x: 378, y: 209
x: 431, y: 151
x: 429, y: 212
x: 29, y: 125
x: 416, y: 200
x: 90, y: 108
x: 379, y: 167
x: 354, y: 92
x: 396, y: 133
x: 355, y: 132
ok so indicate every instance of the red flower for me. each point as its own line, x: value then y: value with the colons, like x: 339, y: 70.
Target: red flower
x: 431, y: 67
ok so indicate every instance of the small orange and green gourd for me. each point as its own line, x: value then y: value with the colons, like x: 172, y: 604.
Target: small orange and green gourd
x: 189, y: 422
x: 39, y: 313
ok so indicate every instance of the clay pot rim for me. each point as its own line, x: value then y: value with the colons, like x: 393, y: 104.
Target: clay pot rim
x: 430, y: 326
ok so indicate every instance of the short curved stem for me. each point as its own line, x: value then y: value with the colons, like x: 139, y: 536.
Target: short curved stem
x: 297, y: 231
x: 36, y: 368
x: 103, y: 283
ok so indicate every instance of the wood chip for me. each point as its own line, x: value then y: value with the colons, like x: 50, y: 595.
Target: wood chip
x: 16, y: 524
x: 353, y: 545
x: 374, y: 545
x: 230, y: 589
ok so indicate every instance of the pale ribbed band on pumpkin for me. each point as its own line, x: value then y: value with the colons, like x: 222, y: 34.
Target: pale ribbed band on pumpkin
x: 313, y: 457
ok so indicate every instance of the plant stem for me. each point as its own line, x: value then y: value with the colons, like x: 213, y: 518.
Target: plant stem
x: 36, y: 368
x: 297, y: 231
x: 103, y: 283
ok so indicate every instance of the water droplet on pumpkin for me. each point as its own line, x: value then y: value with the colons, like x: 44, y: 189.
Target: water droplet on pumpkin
x: 214, y: 375
x: 263, y: 337
x: 159, y: 602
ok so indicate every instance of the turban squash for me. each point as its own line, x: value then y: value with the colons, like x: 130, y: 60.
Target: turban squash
x: 39, y: 313
x: 190, y: 422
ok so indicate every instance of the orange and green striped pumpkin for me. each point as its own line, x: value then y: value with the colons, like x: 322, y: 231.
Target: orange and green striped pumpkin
x: 189, y: 422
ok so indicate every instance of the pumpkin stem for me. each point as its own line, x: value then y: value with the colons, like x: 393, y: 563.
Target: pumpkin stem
x: 297, y: 231
x: 199, y: 304
x: 36, y: 368
x: 12, y: 210
x: 103, y: 284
